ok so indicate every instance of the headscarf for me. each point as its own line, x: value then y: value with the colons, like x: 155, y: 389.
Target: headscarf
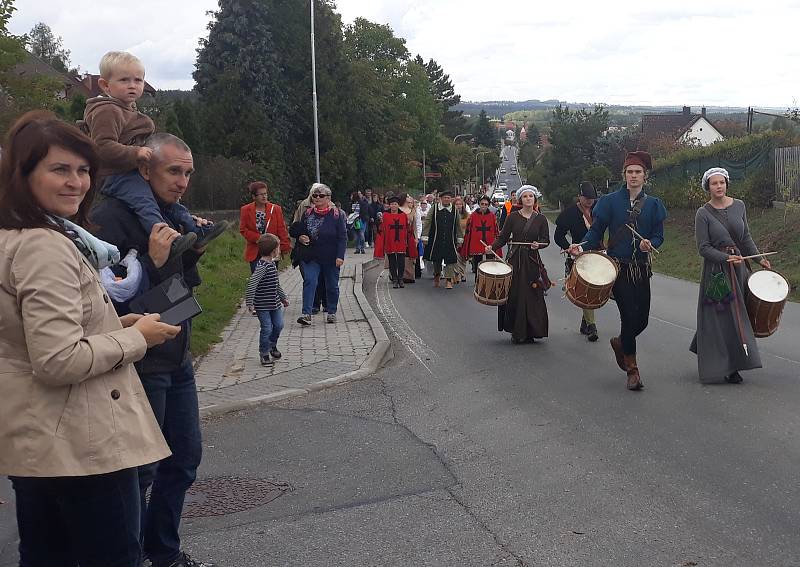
x: 715, y: 171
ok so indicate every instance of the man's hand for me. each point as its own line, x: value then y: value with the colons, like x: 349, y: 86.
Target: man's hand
x: 143, y: 154
x: 161, y: 239
x: 155, y: 332
x: 129, y: 319
x: 646, y: 246
x: 303, y: 239
x: 339, y: 262
x: 200, y: 221
x: 574, y: 250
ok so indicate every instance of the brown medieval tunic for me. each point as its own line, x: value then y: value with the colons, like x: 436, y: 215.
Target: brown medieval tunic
x: 525, y: 313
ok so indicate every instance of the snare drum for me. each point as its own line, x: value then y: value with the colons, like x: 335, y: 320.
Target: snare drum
x: 767, y: 294
x: 589, y: 283
x: 492, y: 282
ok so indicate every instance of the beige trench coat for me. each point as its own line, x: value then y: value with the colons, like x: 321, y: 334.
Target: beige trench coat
x: 71, y: 402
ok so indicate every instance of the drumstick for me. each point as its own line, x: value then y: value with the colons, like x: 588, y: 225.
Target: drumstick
x: 633, y: 230
x: 513, y: 243
x: 495, y: 253
x: 578, y: 244
x: 758, y: 255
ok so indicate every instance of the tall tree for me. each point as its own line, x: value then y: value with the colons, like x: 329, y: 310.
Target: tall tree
x: 444, y: 92
x: 485, y: 134
x: 49, y: 47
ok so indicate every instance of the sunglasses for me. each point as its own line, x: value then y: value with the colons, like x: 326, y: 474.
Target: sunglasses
x: 319, y: 195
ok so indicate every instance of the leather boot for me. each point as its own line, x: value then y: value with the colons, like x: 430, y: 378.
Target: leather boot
x: 634, y: 380
x: 435, y: 281
x: 616, y: 346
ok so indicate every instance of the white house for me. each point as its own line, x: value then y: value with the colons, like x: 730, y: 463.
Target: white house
x: 684, y: 127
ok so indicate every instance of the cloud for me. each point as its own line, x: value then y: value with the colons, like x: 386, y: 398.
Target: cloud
x: 659, y: 52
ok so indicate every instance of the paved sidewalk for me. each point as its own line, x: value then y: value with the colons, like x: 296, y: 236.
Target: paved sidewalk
x: 230, y: 377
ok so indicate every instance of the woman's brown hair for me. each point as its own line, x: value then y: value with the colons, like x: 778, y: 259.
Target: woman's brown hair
x: 26, y: 144
x: 255, y: 186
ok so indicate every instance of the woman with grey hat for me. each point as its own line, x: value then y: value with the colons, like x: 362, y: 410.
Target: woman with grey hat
x: 724, y: 342
x: 576, y: 220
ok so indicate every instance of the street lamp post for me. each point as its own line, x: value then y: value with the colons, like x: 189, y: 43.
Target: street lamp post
x: 483, y: 172
x: 314, y: 91
x: 460, y: 136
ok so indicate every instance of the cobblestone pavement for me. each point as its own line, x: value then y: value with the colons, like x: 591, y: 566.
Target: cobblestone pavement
x: 314, y: 356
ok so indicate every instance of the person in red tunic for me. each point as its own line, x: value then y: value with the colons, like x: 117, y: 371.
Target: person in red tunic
x: 481, y: 226
x: 396, y: 241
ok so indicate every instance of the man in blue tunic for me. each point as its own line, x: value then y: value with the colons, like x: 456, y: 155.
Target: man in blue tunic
x: 635, y: 224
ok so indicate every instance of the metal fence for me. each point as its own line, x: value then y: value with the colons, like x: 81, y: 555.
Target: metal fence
x: 787, y: 173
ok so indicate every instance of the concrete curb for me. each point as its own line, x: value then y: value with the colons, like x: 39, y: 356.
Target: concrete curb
x: 380, y: 354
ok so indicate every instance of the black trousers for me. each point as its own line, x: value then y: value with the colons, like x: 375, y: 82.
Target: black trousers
x: 632, y: 295
x: 477, y: 259
x: 397, y: 265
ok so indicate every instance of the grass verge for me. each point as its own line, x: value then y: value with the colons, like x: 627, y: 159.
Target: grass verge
x: 224, y: 273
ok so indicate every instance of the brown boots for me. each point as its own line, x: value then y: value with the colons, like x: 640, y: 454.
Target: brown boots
x: 435, y: 280
x: 627, y: 363
x: 634, y: 380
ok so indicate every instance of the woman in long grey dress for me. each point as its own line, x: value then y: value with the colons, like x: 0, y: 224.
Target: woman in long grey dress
x: 525, y: 313
x: 724, y: 341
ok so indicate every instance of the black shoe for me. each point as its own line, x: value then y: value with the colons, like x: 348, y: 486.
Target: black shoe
x: 304, y: 320
x: 182, y: 244
x: 401, y: 284
x: 591, y: 332
x: 584, y: 326
x: 185, y: 561
x: 265, y: 361
x: 734, y: 378
x: 211, y: 233
x: 275, y: 353
x: 395, y: 285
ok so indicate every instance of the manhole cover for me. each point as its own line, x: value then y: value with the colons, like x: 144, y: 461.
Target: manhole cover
x: 229, y: 494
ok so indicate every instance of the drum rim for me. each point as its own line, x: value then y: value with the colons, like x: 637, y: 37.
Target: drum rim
x: 605, y: 257
x: 785, y: 281
x: 506, y: 266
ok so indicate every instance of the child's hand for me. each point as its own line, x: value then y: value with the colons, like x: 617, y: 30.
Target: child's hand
x: 252, y: 310
x: 144, y: 154
x: 285, y: 303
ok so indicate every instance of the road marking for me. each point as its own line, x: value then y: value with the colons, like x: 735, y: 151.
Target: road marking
x: 693, y: 330
x: 399, y: 326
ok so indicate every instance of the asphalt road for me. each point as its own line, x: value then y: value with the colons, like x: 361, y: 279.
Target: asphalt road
x: 511, y: 179
x: 468, y: 450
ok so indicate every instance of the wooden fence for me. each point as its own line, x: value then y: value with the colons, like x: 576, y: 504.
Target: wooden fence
x: 787, y: 173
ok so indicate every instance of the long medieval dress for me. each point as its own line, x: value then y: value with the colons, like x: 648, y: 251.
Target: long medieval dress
x: 525, y: 313
x: 717, y: 342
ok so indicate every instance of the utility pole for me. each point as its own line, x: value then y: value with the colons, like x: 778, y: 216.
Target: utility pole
x: 314, y: 91
x: 424, y: 189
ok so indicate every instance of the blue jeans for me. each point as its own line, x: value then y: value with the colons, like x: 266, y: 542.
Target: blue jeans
x: 133, y: 190
x: 312, y: 271
x: 360, y: 238
x: 173, y: 397
x: 271, y: 327
x: 91, y: 521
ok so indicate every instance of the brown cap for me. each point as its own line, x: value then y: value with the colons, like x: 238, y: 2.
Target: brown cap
x: 638, y: 158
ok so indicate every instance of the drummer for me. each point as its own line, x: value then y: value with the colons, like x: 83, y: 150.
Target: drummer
x: 525, y: 313
x: 724, y: 342
x: 628, y: 208
x: 576, y: 220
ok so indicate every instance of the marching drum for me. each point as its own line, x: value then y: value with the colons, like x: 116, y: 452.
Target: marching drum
x: 768, y: 291
x: 492, y: 283
x: 590, y: 281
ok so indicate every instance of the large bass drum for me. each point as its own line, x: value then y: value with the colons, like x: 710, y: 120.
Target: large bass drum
x: 767, y: 294
x: 589, y: 283
x: 492, y: 282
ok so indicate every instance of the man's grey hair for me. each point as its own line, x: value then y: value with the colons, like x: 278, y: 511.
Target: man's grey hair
x: 160, y: 139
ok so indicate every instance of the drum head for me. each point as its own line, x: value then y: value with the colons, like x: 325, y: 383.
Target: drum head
x: 494, y: 268
x: 768, y: 286
x: 596, y: 269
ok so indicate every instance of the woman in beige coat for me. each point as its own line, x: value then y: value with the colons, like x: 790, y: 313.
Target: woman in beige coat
x: 75, y: 419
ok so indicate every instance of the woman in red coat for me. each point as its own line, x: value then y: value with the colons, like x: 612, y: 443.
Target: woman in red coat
x: 482, y: 225
x: 261, y: 217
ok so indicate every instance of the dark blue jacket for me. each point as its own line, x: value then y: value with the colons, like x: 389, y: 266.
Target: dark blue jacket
x: 331, y: 242
x: 611, y: 213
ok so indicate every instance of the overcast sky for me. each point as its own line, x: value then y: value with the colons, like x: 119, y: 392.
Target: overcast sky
x: 712, y: 52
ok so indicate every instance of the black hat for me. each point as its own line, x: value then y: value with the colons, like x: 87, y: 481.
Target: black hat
x: 587, y: 190
x: 446, y: 192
